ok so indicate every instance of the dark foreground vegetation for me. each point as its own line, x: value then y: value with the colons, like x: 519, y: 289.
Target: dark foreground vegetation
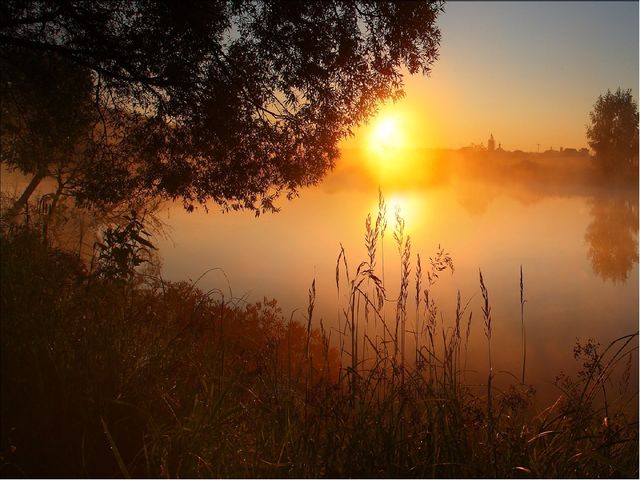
x: 108, y: 374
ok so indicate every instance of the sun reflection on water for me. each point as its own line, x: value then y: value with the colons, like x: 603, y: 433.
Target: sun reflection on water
x: 411, y: 207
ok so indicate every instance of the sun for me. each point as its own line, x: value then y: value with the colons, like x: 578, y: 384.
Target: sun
x: 388, y: 145
x: 387, y: 135
x: 394, y: 146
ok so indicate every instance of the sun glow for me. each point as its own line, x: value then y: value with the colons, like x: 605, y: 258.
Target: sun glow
x: 387, y: 136
x: 399, y: 205
x: 393, y: 147
x: 388, y: 146
x: 411, y: 207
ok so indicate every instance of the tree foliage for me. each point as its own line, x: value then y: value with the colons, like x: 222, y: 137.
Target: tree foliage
x: 124, y: 248
x: 613, y: 132
x: 51, y: 128
x: 234, y: 101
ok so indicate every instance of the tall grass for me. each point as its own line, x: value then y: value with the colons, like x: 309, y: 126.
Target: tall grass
x: 524, y: 332
x: 160, y: 379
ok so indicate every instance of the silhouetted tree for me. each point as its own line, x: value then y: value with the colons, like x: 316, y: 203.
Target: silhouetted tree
x: 231, y: 101
x: 51, y: 128
x: 613, y: 132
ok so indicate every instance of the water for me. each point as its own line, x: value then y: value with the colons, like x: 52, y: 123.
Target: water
x: 575, y: 236
x: 576, y: 239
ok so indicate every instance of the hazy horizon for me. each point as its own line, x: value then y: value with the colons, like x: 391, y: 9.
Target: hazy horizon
x: 528, y: 72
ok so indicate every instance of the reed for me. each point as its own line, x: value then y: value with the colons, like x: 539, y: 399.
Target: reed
x: 524, y: 332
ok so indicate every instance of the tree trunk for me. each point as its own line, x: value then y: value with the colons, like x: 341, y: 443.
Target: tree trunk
x: 17, y: 207
x: 54, y: 204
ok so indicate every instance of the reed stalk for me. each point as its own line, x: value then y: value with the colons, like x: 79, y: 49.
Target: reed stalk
x: 524, y: 333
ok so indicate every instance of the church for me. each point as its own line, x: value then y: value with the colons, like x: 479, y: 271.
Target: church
x: 491, y: 145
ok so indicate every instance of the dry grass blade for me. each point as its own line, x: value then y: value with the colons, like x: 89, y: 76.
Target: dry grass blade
x: 310, y: 307
x: 114, y: 449
x: 486, y: 308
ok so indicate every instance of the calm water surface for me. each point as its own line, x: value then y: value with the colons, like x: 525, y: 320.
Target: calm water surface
x: 577, y: 243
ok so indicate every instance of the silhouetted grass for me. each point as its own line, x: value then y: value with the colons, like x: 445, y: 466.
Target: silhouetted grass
x: 143, y: 377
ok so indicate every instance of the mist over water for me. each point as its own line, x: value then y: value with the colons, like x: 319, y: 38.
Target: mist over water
x: 575, y: 235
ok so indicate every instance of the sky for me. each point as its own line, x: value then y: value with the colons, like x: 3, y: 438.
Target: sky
x: 528, y: 72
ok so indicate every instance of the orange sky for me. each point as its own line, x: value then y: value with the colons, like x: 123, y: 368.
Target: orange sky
x: 528, y: 72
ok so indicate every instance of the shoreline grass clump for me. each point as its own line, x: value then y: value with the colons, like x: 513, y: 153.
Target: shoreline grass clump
x: 129, y: 375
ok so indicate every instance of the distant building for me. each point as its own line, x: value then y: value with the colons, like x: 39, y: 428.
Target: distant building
x: 473, y: 147
x: 491, y: 144
x: 566, y: 152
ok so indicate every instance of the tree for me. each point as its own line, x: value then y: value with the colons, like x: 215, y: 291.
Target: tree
x: 49, y: 128
x: 613, y: 132
x: 235, y: 101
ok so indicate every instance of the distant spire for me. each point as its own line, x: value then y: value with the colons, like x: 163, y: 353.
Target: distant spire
x: 491, y: 144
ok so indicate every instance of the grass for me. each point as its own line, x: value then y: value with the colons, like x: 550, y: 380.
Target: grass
x: 107, y: 375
